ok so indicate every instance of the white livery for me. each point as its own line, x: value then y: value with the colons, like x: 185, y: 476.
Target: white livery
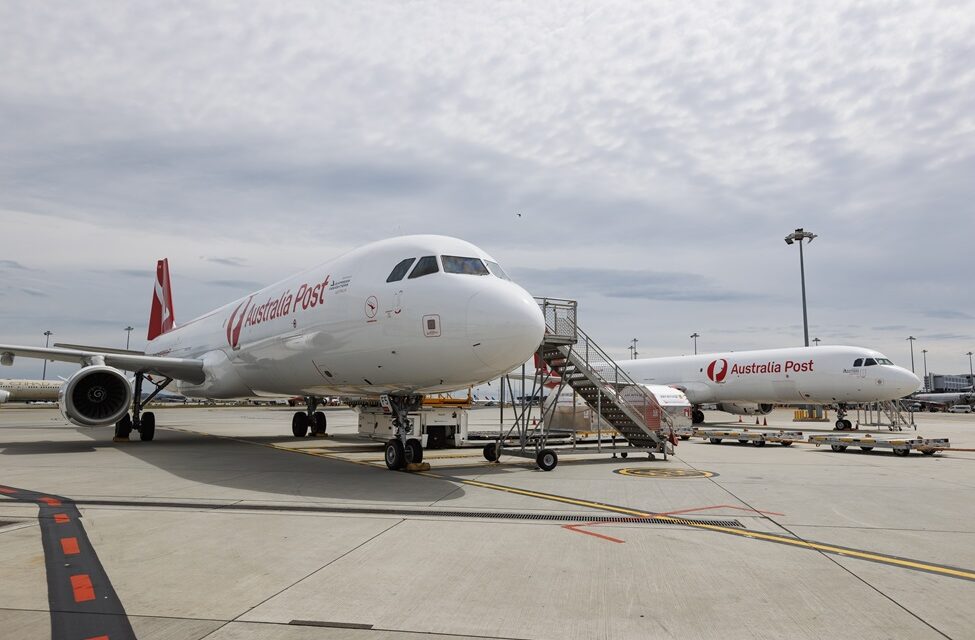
x: 29, y: 390
x: 394, y: 319
x: 747, y: 382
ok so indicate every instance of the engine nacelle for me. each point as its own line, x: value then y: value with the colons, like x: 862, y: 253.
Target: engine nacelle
x: 4, y: 396
x: 745, y: 408
x: 95, y: 396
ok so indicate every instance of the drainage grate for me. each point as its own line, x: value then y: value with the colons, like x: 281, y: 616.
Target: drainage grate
x: 437, y: 513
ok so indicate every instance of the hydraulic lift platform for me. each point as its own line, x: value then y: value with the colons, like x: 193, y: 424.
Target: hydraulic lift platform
x: 744, y: 436
x: 900, y: 446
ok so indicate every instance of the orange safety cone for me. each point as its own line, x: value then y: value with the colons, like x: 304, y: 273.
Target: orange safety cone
x: 756, y: 421
x: 764, y: 422
x: 739, y: 418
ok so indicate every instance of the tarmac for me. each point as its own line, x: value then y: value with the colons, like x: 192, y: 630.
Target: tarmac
x: 227, y: 527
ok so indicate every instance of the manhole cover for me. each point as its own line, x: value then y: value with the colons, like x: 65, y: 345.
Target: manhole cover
x: 665, y: 473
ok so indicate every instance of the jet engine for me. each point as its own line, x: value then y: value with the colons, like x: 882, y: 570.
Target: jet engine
x: 95, y: 396
x: 4, y: 395
x: 745, y: 408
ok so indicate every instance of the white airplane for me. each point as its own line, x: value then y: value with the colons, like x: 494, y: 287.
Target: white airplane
x: 751, y: 382
x: 934, y: 400
x: 29, y: 390
x: 395, y: 319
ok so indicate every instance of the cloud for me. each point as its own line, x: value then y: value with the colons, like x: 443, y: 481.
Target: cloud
x: 948, y: 314
x: 228, y: 261
x: 11, y: 264
x: 235, y: 284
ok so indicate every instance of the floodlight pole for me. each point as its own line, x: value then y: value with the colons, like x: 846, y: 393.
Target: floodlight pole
x: 695, y: 336
x: 632, y: 348
x: 971, y: 376
x: 800, y: 235
x: 911, y: 339
x: 924, y: 355
x: 128, y: 334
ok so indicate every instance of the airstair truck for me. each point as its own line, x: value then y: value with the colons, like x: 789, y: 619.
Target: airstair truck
x: 671, y: 400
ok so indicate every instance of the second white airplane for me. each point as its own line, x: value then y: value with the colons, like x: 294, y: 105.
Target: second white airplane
x: 752, y: 382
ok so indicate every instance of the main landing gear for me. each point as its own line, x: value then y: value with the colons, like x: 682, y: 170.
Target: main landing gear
x: 403, y: 449
x: 143, y: 422
x: 310, y: 419
x: 697, y: 416
x: 842, y: 424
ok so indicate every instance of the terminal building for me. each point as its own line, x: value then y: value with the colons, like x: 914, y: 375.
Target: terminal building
x: 946, y: 383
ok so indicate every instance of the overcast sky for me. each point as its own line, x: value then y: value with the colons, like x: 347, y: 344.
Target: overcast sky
x: 658, y: 154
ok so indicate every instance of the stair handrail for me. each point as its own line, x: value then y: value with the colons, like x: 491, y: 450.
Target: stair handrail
x: 620, y: 379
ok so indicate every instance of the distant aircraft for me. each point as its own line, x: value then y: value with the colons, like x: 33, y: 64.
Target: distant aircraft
x: 934, y: 400
x: 395, y: 319
x: 29, y: 390
x: 751, y: 382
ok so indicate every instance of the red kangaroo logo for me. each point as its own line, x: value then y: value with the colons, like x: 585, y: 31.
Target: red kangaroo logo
x: 233, y: 331
x: 716, y: 374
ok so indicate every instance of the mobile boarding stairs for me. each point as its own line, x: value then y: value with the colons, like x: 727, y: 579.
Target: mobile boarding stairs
x: 573, y: 359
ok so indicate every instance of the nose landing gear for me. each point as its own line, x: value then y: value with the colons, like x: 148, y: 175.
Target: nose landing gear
x: 842, y: 424
x: 404, y: 449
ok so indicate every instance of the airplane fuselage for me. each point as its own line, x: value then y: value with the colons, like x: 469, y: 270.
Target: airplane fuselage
x: 800, y: 375
x: 341, y: 328
x: 29, y: 390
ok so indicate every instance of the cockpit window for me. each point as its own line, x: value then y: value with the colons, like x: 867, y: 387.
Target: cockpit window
x: 883, y: 361
x: 425, y: 266
x: 468, y: 266
x: 400, y: 270
x: 858, y: 362
x: 869, y: 362
x: 497, y: 270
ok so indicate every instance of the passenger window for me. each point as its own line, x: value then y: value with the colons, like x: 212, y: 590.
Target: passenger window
x: 858, y: 362
x: 425, y: 266
x: 497, y: 270
x: 869, y: 362
x: 400, y: 270
x: 468, y: 266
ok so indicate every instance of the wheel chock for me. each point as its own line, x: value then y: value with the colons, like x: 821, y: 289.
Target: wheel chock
x: 318, y: 434
x: 120, y: 439
x: 418, y: 466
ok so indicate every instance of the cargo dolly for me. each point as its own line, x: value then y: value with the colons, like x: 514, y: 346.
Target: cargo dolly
x: 900, y: 446
x: 744, y: 436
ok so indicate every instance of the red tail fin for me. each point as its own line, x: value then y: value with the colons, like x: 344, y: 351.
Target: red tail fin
x: 161, y: 315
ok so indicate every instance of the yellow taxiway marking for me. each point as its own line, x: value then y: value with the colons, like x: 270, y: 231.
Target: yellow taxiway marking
x: 906, y: 563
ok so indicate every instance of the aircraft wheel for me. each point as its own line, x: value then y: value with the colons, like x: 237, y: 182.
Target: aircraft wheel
x: 866, y: 448
x: 838, y: 447
x: 491, y: 452
x: 123, y: 427
x: 929, y: 452
x: 715, y: 440
x: 841, y: 425
x: 743, y: 441
x: 685, y: 437
x: 413, y: 451
x: 299, y: 424
x: 902, y: 452
x: 759, y: 443
x: 697, y: 416
x: 320, y: 423
x: 147, y: 427
x: 623, y: 454
x: 395, y: 454
x: 546, y: 459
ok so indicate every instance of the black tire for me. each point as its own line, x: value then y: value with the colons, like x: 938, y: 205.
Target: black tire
x: 759, y: 443
x: 902, y: 452
x: 147, y: 426
x: 697, y: 416
x: 929, y: 452
x: 413, y: 451
x: 123, y: 427
x: 395, y: 454
x: 623, y: 454
x: 841, y: 425
x: 849, y: 425
x: 685, y: 437
x: 838, y: 448
x: 546, y: 459
x: 490, y: 452
x: 743, y: 441
x: 866, y: 448
x: 715, y: 440
x: 786, y: 443
x: 320, y: 423
x: 299, y: 424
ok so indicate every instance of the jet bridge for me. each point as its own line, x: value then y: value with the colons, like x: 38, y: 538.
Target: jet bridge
x: 573, y: 359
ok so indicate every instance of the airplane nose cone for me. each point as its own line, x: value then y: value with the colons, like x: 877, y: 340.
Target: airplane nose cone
x: 908, y: 382
x: 505, y: 326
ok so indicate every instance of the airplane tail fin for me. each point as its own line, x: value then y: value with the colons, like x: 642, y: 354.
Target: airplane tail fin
x: 161, y: 316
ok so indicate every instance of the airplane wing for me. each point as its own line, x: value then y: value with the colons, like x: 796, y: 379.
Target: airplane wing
x: 188, y: 369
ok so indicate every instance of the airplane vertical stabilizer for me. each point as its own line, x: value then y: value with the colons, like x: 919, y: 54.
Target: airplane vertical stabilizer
x: 161, y: 316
